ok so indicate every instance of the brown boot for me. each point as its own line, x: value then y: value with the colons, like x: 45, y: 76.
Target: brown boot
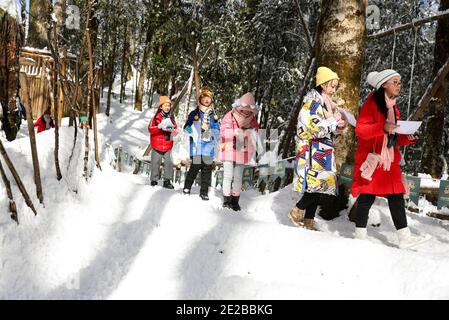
x: 296, y: 215
x: 310, y: 224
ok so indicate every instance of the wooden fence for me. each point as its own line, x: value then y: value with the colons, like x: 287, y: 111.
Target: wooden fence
x: 36, y: 82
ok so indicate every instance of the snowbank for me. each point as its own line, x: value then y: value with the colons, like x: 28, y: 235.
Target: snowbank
x: 116, y: 237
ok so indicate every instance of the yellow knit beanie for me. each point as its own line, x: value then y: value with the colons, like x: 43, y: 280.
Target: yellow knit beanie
x: 324, y: 75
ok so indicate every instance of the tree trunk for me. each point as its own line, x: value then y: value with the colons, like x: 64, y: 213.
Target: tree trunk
x: 341, y: 47
x: 37, y: 173
x: 92, y: 105
x: 341, y: 37
x: 37, y: 31
x: 111, y: 75
x: 59, y: 9
x: 54, y: 46
x: 143, y: 70
x: 433, y: 149
x: 123, y: 71
x: 91, y: 28
x: 9, y: 72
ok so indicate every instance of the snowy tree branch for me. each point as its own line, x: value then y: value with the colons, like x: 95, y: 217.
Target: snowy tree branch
x: 414, y: 23
x: 431, y: 91
x: 304, y: 25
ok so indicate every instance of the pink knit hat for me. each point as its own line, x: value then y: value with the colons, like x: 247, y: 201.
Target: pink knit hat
x: 247, y: 100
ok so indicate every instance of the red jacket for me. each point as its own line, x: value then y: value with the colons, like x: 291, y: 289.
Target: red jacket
x: 40, y: 124
x: 370, y: 133
x: 161, y: 140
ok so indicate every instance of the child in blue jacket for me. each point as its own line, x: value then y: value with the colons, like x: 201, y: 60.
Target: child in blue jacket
x: 203, y: 128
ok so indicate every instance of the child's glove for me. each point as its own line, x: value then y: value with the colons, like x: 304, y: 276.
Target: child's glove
x: 188, y: 130
x: 369, y: 166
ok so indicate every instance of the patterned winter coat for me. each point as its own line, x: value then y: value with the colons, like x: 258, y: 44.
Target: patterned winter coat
x: 198, y: 146
x: 315, y: 170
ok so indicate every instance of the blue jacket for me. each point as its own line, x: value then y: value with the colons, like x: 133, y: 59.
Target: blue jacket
x: 199, y: 147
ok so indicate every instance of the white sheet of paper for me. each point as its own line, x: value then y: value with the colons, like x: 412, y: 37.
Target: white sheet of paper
x: 408, y: 127
x: 349, y: 116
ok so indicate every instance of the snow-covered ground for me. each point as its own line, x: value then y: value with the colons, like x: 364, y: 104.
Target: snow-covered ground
x: 115, y: 237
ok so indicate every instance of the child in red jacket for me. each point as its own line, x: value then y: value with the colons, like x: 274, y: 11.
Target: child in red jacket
x: 162, y: 128
x: 44, y: 122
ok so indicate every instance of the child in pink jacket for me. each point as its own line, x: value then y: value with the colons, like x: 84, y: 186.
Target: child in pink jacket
x: 238, y: 128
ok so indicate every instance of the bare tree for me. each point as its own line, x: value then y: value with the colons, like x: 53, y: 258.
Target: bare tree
x: 10, y: 41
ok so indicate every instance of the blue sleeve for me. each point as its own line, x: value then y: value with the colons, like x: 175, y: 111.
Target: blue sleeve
x: 189, y: 121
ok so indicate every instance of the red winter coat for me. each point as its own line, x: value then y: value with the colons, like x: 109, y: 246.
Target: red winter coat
x: 370, y: 133
x: 40, y: 124
x: 160, y: 140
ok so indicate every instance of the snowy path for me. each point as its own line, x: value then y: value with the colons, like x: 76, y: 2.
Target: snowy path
x: 133, y: 241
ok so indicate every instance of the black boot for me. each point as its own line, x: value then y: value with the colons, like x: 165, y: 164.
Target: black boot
x: 235, y: 203
x: 227, y: 202
x: 168, y: 185
x: 204, y: 196
x: 153, y: 183
x: 186, y: 191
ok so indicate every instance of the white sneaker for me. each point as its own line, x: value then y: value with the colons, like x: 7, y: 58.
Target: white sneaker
x: 407, y: 240
x: 360, y: 233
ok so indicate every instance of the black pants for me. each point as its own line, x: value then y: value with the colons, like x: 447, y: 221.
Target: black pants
x: 203, y: 164
x: 309, y: 202
x: 395, y: 203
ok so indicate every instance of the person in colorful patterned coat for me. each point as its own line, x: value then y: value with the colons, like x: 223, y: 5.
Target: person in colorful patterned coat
x: 315, y: 171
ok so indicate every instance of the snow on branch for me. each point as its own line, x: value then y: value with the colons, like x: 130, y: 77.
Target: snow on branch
x: 415, y: 23
x: 431, y: 91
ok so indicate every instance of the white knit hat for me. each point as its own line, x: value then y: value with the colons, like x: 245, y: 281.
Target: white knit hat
x: 377, y: 79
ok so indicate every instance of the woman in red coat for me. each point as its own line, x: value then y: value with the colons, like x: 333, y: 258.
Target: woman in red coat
x: 376, y: 166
